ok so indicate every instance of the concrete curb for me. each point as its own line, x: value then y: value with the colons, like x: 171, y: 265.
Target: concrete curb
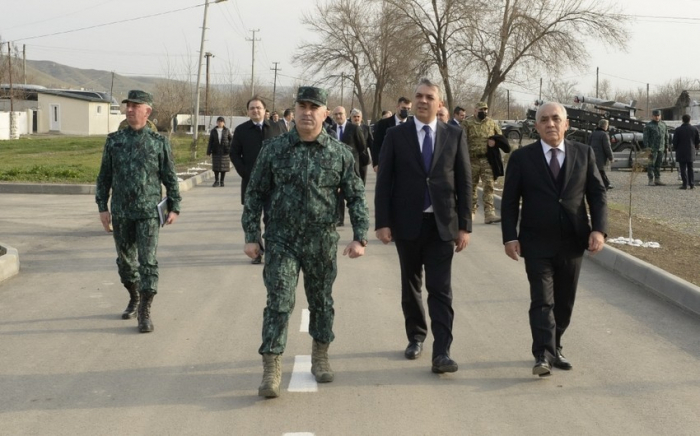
x: 9, y: 257
x: 68, y: 189
x: 9, y: 262
x: 664, y: 284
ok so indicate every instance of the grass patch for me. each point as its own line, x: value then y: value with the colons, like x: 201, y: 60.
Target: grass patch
x: 67, y: 159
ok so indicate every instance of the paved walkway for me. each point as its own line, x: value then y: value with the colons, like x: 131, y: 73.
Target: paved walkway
x: 70, y: 366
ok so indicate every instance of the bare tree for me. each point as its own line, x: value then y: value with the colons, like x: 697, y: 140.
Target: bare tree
x: 514, y: 39
x: 439, y: 22
x: 561, y: 91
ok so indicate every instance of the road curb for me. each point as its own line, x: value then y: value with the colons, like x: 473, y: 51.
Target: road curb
x: 68, y: 189
x: 9, y: 261
x: 662, y: 283
x: 9, y: 256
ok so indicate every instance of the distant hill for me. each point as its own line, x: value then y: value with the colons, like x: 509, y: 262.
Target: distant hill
x: 53, y: 75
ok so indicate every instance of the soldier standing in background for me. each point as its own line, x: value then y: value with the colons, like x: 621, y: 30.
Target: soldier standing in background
x: 298, y: 174
x: 479, y: 129
x: 656, y: 139
x: 135, y: 162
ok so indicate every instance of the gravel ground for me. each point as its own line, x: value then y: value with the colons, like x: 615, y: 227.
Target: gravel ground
x: 669, y: 205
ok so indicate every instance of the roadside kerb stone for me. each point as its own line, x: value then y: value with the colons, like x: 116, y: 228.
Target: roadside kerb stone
x: 9, y: 261
x: 662, y: 283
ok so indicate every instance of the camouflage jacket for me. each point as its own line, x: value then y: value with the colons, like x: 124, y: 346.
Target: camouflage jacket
x: 300, y: 180
x: 478, y: 133
x: 134, y: 164
x: 656, y: 135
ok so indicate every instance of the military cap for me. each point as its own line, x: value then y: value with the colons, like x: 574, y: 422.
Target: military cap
x: 313, y: 95
x: 656, y: 112
x: 140, y: 97
x: 481, y: 105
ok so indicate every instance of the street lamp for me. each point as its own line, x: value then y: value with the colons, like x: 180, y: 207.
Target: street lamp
x: 195, y: 121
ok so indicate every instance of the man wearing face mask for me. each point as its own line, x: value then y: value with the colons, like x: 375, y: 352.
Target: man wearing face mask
x: 479, y: 129
x: 402, y: 110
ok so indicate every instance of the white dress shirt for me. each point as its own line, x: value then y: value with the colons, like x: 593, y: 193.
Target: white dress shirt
x: 548, y: 154
x: 421, y: 136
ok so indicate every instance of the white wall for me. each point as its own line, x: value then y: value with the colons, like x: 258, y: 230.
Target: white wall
x: 20, y: 122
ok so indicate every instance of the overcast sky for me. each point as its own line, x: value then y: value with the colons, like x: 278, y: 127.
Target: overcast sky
x: 659, y: 50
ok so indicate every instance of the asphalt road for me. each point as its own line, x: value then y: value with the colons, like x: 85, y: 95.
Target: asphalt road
x: 70, y: 366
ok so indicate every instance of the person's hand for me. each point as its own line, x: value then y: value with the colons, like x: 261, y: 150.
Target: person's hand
x: 106, y: 220
x: 354, y: 249
x: 252, y: 250
x: 491, y: 143
x: 596, y: 242
x: 462, y: 241
x: 172, y: 217
x: 513, y: 249
x: 384, y: 234
x: 375, y: 168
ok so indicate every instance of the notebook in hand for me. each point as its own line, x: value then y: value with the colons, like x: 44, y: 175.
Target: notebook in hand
x: 163, y: 211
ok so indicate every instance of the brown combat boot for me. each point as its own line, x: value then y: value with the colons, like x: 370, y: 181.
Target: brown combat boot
x: 272, y: 376
x: 130, y: 310
x: 145, y: 324
x: 491, y: 218
x: 320, y: 366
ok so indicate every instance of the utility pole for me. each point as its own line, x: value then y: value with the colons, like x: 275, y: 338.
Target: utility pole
x: 195, y: 116
x: 252, y: 64
x: 342, y: 87
x: 508, y: 99
x: 206, y: 93
x: 111, y: 97
x: 648, y: 113
x: 597, y: 72
x: 24, y: 62
x: 274, y: 85
x: 540, y: 89
x: 13, y: 121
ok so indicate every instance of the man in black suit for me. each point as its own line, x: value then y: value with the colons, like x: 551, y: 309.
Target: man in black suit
x: 350, y: 135
x: 247, y: 142
x: 459, y: 114
x: 287, y: 121
x: 402, y: 109
x: 423, y: 202
x: 554, y: 178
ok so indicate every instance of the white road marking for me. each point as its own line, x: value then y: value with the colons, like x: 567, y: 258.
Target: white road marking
x: 304, y: 321
x: 298, y: 434
x: 302, y: 379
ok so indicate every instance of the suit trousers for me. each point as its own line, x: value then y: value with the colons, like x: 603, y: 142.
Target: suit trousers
x: 687, y: 175
x: 552, y: 293
x: 431, y: 253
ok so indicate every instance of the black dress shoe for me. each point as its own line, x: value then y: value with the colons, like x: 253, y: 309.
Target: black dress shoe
x: 414, y: 350
x: 221, y: 184
x: 683, y: 187
x: 542, y: 367
x: 561, y: 362
x: 215, y: 184
x: 443, y: 364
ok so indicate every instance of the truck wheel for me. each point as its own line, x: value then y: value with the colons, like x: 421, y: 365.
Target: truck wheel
x: 513, y: 135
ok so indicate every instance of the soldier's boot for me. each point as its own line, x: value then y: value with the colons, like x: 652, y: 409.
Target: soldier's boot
x: 651, y: 182
x: 491, y: 218
x: 145, y: 324
x: 272, y: 376
x: 130, y: 310
x: 658, y: 182
x: 320, y: 366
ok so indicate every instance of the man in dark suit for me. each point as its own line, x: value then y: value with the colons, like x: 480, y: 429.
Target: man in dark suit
x: 402, y: 109
x: 287, y: 121
x: 350, y: 135
x: 554, y: 178
x: 247, y: 142
x: 423, y: 202
x: 459, y: 114
x: 685, y: 141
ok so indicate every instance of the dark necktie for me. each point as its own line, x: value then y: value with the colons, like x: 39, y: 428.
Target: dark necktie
x: 554, y: 164
x: 340, y: 133
x: 260, y: 126
x: 427, y: 161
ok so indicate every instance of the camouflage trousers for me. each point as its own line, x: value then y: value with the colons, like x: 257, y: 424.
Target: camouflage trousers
x: 137, y: 243
x: 482, y: 170
x: 654, y: 167
x: 314, y: 253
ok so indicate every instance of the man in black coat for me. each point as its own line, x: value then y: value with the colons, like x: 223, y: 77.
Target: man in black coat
x: 600, y: 143
x: 459, y: 114
x: 423, y: 202
x: 554, y: 178
x: 247, y: 142
x: 402, y: 109
x: 350, y: 135
x: 685, y: 141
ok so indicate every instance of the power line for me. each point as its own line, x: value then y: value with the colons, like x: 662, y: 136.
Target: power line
x: 59, y: 16
x: 108, y: 24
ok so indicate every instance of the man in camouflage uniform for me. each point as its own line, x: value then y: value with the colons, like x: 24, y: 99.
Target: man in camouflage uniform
x: 479, y: 129
x: 135, y: 162
x: 656, y: 139
x: 299, y: 174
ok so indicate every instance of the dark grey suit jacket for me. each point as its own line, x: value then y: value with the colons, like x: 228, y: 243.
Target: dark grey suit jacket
x: 402, y: 181
x: 354, y: 139
x: 528, y: 178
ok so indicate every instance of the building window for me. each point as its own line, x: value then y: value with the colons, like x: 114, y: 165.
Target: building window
x: 99, y: 109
